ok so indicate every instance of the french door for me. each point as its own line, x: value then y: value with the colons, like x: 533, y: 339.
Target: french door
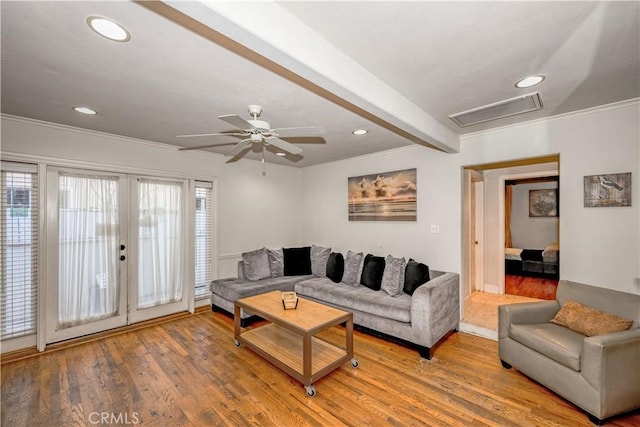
x: 115, y: 248
x: 156, y: 285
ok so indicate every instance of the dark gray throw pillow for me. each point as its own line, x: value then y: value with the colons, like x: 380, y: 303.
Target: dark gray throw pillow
x: 352, y: 268
x: 415, y: 274
x: 372, y: 271
x: 393, y: 277
x: 319, y: 257
x: 276, y: 262
x: 335, y: 267
x: 256, y: 264
x: 297, y: 261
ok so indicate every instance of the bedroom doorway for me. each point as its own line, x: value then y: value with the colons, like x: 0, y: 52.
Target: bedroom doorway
x: 531, y: 223
x: 489, y: 287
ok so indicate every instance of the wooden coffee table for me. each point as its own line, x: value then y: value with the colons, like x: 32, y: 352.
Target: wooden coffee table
x: 289, y: 340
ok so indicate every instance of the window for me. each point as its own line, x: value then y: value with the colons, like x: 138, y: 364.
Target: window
x: 203, y: 238
x: 19, y: 258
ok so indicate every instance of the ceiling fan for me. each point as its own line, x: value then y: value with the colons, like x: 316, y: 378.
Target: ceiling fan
x: 256, y: 131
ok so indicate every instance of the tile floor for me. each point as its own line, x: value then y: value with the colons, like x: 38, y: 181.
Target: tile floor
x: 481, y: 312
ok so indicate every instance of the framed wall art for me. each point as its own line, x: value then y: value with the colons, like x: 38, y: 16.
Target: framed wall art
x: 543, y: 203
x: 608, y: 190
x: 387, y: 196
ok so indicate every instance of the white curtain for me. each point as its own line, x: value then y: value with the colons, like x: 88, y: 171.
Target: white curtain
x: 88, y: 248
x: 160, y: 242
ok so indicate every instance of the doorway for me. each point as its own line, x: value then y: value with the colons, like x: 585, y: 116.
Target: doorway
x: 483, y: 277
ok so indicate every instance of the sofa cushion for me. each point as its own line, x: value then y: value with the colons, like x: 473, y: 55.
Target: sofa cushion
x: 416, y: 274
x: 393, y: 276
x: 556, y: 342
x: 361, y: 299
x: 589, y: 321
x: 319, y: 258
x: 256, y: 264
x: 297, y: 261
x: 276, y: 262
x: 353, y: 264
x: 335, y: 267
x: 372, y: 271
x: 234, y: 289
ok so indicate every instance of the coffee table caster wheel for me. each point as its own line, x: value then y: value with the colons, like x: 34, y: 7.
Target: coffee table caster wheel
x: 355, y: 363
x: 311, y: 390
x: 237, y: 343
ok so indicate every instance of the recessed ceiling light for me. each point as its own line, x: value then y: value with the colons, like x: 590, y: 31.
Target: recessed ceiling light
x: 85, y: 110
x: 281, y: 154
x: 108, y: 28
x: 529, y: 81
x: 360, y: 132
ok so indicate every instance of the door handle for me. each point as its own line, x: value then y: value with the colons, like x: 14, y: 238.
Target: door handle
x: 122, y: 257
x: 123, y: 247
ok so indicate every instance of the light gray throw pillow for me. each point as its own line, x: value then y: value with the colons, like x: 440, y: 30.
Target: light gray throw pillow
x: 319, y: 258
x: 276, y: 262
x: 393, y: 276
x: 256, y: 264
x: 353, y: 264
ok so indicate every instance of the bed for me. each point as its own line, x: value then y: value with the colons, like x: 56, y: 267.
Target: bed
x: 532, y: 262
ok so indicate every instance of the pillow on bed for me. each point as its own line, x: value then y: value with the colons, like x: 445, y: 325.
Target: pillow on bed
x: 531, y: 255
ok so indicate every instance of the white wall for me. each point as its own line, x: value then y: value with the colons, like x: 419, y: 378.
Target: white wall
x: 600, y: 246
x: 253, y: 210
x: 531, y: 232
x: 324, y: 208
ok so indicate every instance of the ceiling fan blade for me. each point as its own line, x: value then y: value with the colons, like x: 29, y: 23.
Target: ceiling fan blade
x: 220, y: 144
x: 283, y: 145
x: 299, y: 131
x: 239, y: 146
x: 236, y: 134
x: 236, y: 121
x: 240, y: 155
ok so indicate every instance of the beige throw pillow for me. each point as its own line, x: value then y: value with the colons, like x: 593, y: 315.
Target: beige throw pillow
x: 589, y: 321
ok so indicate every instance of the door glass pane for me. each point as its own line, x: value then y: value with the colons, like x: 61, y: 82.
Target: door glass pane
x: 160, y: 242
x: 88, y: 253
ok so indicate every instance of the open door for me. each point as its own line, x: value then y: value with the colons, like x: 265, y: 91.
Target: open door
x: 472, y: 220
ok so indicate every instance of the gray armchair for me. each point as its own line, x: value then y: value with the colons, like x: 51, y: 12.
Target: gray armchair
x: 600, y: 374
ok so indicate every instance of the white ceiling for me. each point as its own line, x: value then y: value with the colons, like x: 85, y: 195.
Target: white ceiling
x: 398, y: 69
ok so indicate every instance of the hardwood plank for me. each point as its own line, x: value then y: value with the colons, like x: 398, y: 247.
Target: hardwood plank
x: 189, y: 372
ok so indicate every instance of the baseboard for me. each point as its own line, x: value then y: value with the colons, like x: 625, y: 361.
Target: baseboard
x: 479, y: 331
x: 491, y: 288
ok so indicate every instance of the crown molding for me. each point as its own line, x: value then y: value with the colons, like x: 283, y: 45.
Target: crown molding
x: 604, y: 107
x: 95, y: 133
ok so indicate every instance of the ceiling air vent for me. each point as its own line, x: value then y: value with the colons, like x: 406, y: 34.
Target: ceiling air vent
x: 498, y: 110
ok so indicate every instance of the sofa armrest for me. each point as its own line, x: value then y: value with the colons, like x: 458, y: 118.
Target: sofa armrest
x: 241, y: 270
x: 525, y: 313
x: 435, y: 308
x: 610, y: 364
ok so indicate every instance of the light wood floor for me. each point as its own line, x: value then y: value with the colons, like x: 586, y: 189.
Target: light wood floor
x: 481, y: 308
x: 188, y: 372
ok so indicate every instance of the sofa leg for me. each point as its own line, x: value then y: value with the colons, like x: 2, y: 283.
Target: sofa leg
x: 425, y: 352
x: 505, y: 364
x: 595, y: 420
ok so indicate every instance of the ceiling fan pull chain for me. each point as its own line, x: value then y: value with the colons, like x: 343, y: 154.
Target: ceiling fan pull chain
x: 264, y: 167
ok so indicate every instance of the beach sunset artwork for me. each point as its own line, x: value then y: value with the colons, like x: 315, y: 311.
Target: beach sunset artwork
x: 388, y: 196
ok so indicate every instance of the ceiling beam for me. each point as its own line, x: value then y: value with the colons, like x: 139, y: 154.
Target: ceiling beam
x: 270, y: 36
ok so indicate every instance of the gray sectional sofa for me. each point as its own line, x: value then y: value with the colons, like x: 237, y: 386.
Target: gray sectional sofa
x: 419, y: 320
